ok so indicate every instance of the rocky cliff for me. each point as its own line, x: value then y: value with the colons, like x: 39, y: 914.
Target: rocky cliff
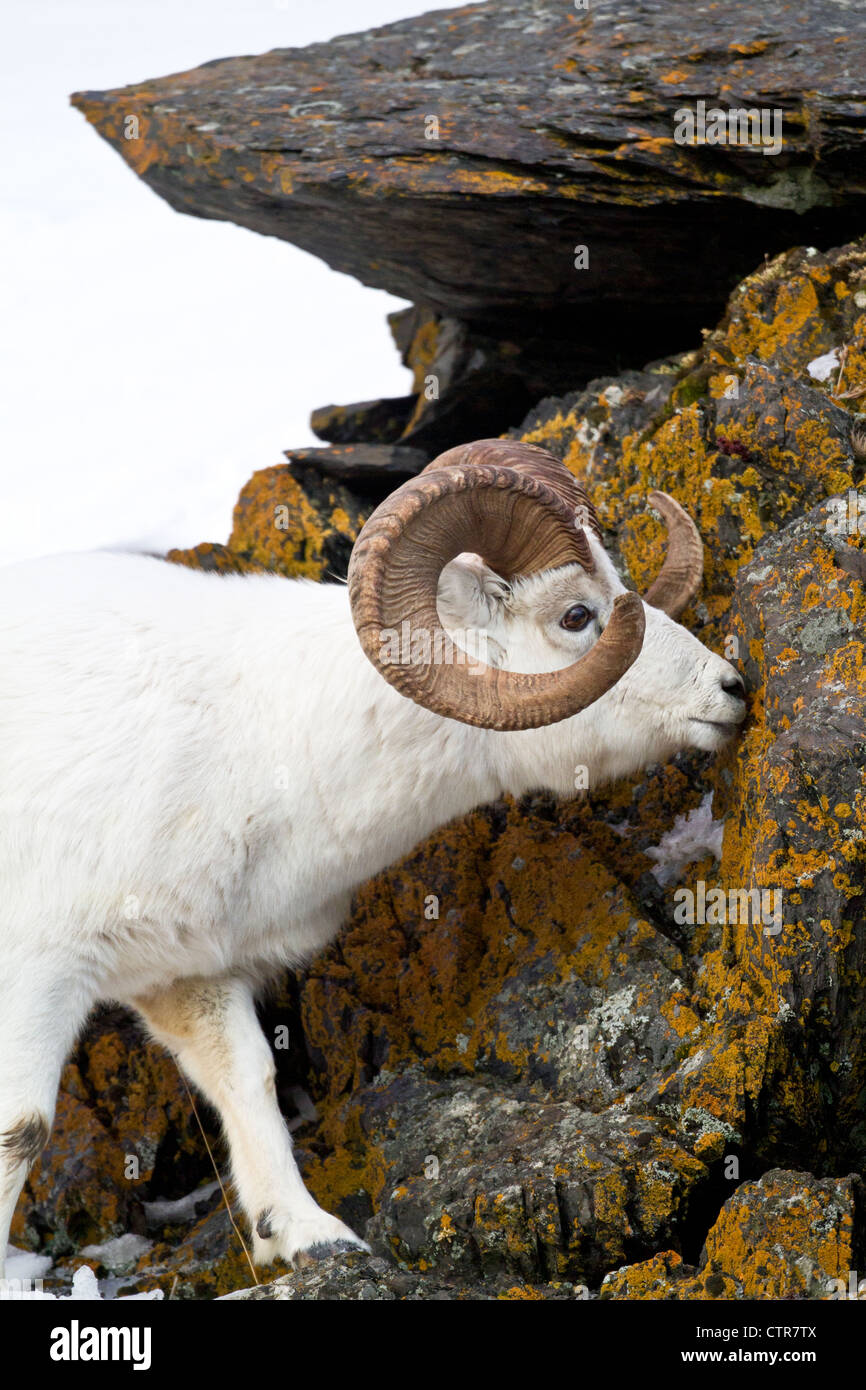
x: 519, y: 171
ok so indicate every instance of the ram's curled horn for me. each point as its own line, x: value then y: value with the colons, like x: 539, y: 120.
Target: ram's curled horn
x: 680, y: 577
x: 520, y: 509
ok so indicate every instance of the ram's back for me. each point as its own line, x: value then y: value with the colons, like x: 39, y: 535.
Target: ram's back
x: 141, y: 798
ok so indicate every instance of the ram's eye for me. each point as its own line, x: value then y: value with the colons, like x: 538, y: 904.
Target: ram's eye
x: 576, y: 618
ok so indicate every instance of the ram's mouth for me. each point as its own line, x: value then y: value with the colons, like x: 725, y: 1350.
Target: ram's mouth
x: 728, y: 729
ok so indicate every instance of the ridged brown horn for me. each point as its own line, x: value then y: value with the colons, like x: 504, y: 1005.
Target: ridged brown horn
x: 519, y: 508
x: 526, y: 458
x: 681, y: 575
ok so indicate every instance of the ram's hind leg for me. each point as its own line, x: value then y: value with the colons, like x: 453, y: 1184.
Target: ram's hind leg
x: 41, y: 1011
x: 210, y: 1025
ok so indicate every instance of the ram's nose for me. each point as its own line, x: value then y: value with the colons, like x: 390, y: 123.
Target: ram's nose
x: 734, y: 687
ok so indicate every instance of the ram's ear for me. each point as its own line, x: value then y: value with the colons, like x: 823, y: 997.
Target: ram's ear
x: 470, y: 594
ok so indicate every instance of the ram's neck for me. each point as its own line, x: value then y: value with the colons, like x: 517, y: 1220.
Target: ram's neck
x: 378, y: 773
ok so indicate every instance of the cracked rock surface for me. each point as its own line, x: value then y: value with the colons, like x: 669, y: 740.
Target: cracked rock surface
x: 458, y: 159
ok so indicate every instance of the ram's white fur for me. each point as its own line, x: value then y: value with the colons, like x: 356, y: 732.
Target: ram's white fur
x: 197, y: 770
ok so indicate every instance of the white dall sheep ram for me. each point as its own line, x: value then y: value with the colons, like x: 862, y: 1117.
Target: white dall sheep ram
x: 197, y: 770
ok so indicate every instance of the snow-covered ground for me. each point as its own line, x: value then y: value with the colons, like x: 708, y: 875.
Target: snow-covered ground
x: 691, y: 837
x: 25, y: 1273
x: 115, y: 1258
x: 150, y: 362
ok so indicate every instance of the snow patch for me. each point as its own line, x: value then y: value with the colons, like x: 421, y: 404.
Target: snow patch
x: 692, y: 837
x: 163, y: 1211
x: 24, y: 1270
x: 118, y: 1254
x: 23, y: 1264
x: 821, y: 367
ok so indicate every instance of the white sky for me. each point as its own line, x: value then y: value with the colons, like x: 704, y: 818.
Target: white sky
x: 150, y: 362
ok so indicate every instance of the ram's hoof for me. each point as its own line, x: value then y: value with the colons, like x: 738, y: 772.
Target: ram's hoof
x: 323, y: 1250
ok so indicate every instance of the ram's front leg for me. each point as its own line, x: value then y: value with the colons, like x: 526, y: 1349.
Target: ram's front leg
x: 210, y: 1025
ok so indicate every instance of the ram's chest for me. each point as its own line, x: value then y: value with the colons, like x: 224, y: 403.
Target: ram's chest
x: 262, y: 938
x: 193, y: 903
